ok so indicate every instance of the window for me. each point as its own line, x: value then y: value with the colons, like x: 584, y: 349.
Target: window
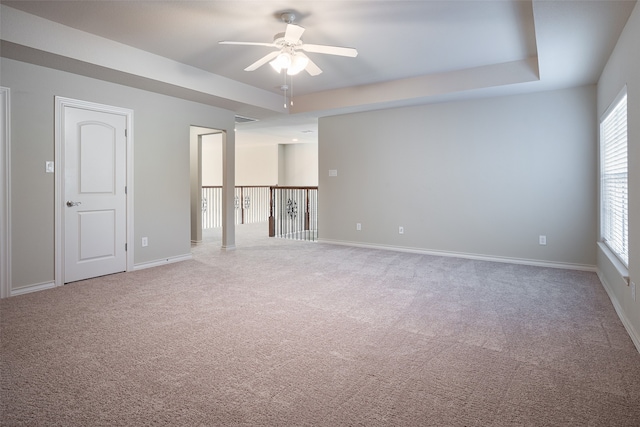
x: 614, y: 205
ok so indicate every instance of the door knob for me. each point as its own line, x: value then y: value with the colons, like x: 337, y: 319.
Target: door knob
x: 71, y: 204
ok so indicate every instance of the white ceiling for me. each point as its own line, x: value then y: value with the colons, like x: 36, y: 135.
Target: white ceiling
x: 410, y: 52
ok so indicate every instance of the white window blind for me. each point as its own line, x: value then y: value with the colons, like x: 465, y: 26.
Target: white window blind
x: 614, y: 182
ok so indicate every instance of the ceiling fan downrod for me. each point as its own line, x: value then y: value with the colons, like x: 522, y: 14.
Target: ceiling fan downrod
x: 288, y: 17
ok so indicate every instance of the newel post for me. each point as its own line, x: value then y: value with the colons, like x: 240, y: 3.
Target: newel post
x: 272, y: 220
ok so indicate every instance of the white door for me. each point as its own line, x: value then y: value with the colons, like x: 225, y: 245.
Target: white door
x: 95, y: 193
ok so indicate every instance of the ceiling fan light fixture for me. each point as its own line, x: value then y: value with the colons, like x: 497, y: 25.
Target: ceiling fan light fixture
x: 282, y: 62
x: 275, y: 66
x: 298, y: 63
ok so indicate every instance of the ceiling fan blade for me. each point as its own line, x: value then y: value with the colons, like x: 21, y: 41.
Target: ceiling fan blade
x: 312, y: 68
x: 331, y: 50
x: 260, y: 62
x: 293, y: 33
x: 249, y: 43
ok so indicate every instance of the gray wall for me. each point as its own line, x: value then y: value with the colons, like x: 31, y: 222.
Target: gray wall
x: 482, y: 177
x: 300, y: 165
x: 161, y: 162
x: 623, y: 68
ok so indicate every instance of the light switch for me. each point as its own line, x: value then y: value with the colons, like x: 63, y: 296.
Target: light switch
x: 333, y: 172
x: 48, y: 167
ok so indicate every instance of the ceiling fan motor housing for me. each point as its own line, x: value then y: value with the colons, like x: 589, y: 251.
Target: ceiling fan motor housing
x: 280, y: 41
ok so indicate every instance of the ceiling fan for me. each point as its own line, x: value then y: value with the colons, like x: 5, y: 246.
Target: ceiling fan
x: 289, y: 45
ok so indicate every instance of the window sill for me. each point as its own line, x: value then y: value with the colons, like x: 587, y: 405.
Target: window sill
x: 613, y: 259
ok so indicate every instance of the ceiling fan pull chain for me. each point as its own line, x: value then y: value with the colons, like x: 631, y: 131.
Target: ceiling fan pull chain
x: 284, y: 89
x: 291, y: 96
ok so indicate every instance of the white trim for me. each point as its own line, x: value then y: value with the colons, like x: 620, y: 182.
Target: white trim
x: 635, y: 336
x: 619, y: 244
x: 164, y: 261
x: 32, y: 288
x: 622, y: 269
x: 60, y: 104
x: 614, y: 103
x: 507, y: 260
x: 5, y: 193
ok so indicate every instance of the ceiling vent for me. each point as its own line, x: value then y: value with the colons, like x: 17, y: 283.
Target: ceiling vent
x: 242, y: 119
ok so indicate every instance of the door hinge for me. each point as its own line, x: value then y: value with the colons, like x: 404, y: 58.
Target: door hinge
x: 125, y: 133
x: 125, y: 247
x: 125, y: 189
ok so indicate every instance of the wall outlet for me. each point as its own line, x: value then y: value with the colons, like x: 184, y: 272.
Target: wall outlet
x: 633, y: 291
x: 401, y: 230
x: 542, y: 240
x: 358, y: 226
x: 145, y: 242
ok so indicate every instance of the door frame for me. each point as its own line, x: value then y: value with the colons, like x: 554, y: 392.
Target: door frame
x: 5, y: 193
x: 60, y: 104
x: 195, y: 151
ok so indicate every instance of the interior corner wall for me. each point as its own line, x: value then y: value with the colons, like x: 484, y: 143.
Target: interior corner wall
x: 623, y: 67
x: 300, y: 164
x: 161, y: 164
x: 482, y: 177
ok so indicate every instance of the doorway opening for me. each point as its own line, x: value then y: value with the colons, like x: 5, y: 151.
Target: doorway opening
x: 206, y: 169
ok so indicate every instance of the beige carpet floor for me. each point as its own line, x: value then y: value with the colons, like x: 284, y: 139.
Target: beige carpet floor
x: 286, y: 333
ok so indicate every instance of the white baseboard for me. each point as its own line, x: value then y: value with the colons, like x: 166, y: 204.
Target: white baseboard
x: 32, y: 288
x: 522, y: 261
x: 49, y: 285
x: 635, y: 336
x: 163, y: 261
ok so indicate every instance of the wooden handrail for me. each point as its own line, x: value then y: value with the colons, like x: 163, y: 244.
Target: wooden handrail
x: 294, y: 187
x: 238, y: 186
